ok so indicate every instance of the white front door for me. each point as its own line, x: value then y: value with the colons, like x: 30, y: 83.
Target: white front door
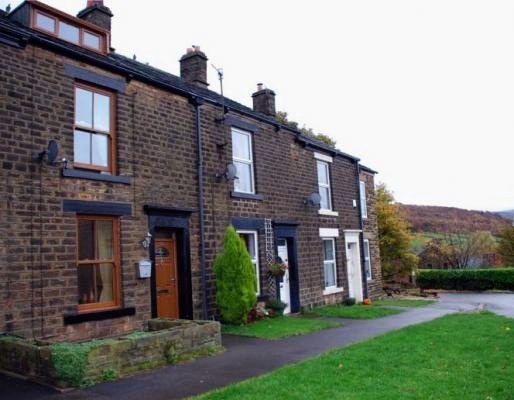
x: 353, y: 267
x: 285, y: 294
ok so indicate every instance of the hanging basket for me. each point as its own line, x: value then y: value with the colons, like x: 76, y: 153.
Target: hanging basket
x: 278, y: 270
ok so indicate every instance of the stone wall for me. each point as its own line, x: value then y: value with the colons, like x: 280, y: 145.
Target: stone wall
x: 167, y: 342
x: 371, y: 233
x: 156, y: 148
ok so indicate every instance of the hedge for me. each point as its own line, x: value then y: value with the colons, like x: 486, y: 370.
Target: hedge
x: 466, y: 279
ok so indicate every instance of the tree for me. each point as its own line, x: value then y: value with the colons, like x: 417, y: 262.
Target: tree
x: 458, y: 250
x: 235, y: 279
x: 394, y: 237
x: 506, y: 246
x: 465, y: 248
x: 436, y: 254
x: 283, y: 119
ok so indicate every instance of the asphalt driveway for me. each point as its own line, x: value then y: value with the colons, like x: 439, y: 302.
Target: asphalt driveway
x: 248, y: 357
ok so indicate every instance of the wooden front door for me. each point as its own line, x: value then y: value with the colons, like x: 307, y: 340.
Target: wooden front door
x: 166, y: 278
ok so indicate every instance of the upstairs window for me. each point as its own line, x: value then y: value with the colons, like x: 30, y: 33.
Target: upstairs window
x: 92, y: 40
x: 70, y: 30
x: 93, y: 142
x: 324, y: 185
x: 45, y: 22
x: 242, y: 157
x: 364, y: 208
x: 98, y: 262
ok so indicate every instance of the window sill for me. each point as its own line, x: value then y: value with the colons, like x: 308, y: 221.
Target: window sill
x: 329, y: 213
x: 95, y: 176
x: 71, y: 319
x: 249, y: 196
x: 333, y: 290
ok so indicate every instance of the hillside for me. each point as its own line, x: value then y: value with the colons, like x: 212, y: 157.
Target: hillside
x: 449, y: 219
x: 509, y: 214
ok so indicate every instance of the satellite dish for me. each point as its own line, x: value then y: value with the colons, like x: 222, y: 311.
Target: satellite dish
x: 52, y: 151
x: 231, y: 172
x: 314, y: 199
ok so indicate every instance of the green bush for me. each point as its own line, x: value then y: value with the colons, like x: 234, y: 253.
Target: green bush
x: 110, y: 375
x: 235, y: 280
x: 350, y: 301
x: 467, y: 279
x: 70, y: 361
x: 276, y: 306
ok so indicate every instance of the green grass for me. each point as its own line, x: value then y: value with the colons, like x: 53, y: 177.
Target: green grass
x: 403, y: 302
x: 279, y: 327
x: 357, y: 311
x: 463, y: 356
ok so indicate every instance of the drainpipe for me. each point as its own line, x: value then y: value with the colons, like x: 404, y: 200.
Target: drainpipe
x: 361, y: 227
x: 197, y: 103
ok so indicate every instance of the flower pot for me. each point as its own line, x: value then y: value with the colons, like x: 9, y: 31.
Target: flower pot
x: 278, y: 311
x: 349, y: 301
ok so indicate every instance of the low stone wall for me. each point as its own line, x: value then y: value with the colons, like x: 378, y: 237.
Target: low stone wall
x: 76, y: 364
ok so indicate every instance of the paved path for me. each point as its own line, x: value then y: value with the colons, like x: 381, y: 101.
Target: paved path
x: 247, y: 357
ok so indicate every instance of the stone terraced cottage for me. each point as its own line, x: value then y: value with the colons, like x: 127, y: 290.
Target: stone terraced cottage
x: 118, y: 180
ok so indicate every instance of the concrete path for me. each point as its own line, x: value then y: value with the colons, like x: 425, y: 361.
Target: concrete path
x: 247, y: 357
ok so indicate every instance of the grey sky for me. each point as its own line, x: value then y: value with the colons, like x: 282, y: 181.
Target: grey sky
x: 422, y: 91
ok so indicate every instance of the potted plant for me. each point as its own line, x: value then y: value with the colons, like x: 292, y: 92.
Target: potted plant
x: 278, y: 269
x: 349, y: 301
x: 276, y: 306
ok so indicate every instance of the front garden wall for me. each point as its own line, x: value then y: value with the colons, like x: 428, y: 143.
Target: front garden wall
x: 66, y: 364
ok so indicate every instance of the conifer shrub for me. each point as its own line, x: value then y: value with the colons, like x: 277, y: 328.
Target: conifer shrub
x: 235, y: 280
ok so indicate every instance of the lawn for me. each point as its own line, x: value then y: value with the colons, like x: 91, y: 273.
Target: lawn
x: 462, y: 356
x: 403, y: 302
x: 279, y: 327
x: 357, y: 311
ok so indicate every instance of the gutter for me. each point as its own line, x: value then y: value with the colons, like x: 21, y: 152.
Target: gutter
x: 199, y: 148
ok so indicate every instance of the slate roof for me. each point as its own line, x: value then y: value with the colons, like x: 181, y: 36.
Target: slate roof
x: 16, y: 34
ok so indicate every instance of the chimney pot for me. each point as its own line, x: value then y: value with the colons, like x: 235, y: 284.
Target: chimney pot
x: 92, y: 3
x: 260, y: 87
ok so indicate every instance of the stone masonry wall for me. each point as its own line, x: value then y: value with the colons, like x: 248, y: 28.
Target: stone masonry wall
x: 371, y: 233
x: 156, y: 146
x: 165, y: 343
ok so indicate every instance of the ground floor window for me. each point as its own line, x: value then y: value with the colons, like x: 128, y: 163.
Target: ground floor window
x: 251, y: 241
x: 367, y: 260
x: 329, y: 262
x: 98, y: 262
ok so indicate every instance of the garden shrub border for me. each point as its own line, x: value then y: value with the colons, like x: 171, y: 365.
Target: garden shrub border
x: 466, y: 279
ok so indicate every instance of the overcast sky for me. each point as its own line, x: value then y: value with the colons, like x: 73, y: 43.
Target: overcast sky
x: 421, y: 91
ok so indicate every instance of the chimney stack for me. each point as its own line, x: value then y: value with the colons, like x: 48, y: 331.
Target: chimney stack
x: 264, y: 100
x: 96, y: 13
x: 193, y: 67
